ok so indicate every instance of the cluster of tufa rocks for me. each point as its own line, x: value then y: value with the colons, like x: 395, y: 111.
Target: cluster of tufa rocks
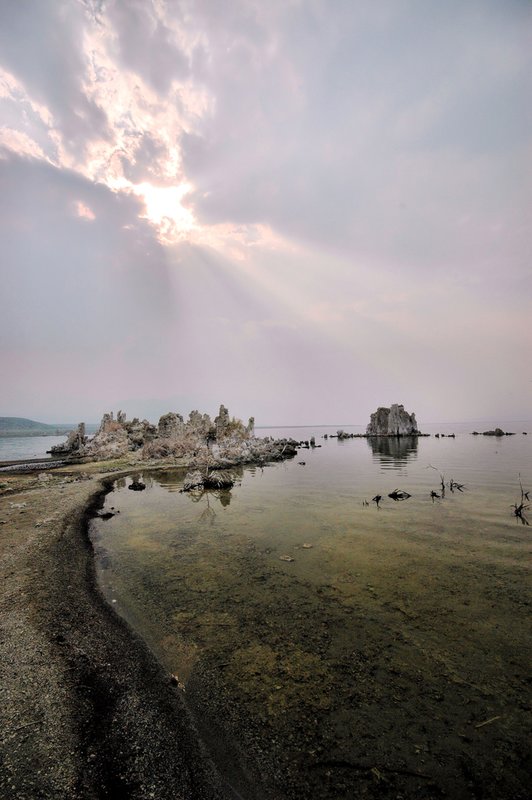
x: 393, y: 421
x: 208, y: 444
x: 496, y: 432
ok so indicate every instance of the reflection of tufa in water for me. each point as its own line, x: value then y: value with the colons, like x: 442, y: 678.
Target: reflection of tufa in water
x: 393, y: 448
x: 217, y: 479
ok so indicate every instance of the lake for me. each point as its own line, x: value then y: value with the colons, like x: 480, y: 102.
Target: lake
x: 329, y: 647
x: 13, y: 447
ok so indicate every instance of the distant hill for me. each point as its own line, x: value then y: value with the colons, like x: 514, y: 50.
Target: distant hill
x: 20, y: 426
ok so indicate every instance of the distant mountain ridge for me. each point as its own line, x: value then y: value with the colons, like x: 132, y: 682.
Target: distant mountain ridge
x: 20, y: 426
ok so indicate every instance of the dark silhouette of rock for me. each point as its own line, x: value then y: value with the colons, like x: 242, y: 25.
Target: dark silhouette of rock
x: 497, y: 432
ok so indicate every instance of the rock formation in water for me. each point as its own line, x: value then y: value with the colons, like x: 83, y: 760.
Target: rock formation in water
x: 393, y: 421
x: 74, y: 445
x: 206, y: 444
x: 496, y: 432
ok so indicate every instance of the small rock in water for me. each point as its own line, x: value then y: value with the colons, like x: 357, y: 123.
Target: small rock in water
x: 137, y: 486
x: 285, y: 558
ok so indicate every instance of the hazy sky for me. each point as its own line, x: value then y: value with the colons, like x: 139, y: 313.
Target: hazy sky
x: 303, y: 209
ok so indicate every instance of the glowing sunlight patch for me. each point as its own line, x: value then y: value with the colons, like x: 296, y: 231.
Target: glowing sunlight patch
x: 164, y: 209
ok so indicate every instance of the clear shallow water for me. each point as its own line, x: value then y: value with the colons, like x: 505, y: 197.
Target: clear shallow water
x: 391, y: 634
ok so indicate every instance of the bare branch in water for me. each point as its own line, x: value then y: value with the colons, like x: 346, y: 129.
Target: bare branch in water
x: 520, y: 508
x: 455, y: 485
x: 442, y: 479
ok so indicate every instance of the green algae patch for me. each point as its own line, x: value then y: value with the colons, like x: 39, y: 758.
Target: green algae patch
x: 276, y: 681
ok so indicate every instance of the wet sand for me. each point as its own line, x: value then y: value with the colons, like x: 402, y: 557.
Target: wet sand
x: 85, y: 709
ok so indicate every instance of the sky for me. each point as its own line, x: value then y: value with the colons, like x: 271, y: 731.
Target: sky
x: 303, y: 209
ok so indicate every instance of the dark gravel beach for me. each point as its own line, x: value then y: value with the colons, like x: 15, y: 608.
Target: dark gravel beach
x: 86, y: 711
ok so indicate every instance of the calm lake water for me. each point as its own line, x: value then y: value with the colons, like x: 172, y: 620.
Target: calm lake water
x: 13, y: 447
x: 329, y: 648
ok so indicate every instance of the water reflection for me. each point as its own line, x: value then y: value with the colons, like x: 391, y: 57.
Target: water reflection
x: 303, y: 654
x: 172, y: 481
x: 205, y: 496
x: 393, y: 452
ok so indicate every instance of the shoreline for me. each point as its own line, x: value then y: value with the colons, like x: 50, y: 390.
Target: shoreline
x: 87, y: 711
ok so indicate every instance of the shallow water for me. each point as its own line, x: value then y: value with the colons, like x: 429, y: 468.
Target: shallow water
x: 364, y: 664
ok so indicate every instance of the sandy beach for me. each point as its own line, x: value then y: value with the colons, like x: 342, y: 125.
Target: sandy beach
x: 85, y: 710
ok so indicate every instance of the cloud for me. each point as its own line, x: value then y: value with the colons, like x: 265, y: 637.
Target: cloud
x: 146, y: 45
x: 42, y: 44
x: 79, y: 266
x: 373, y: 134
x: 281, y: 206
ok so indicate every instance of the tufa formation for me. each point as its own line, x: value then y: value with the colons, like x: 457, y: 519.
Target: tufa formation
x: 393, y: 421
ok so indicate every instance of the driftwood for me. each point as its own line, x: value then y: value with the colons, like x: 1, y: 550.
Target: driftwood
x: 454, y: 485
x: 399, y: 494
x: 487, y: 721
x: 520, y: 508
x: 442, y: 479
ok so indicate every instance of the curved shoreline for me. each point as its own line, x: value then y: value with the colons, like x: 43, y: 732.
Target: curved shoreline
x: 87, y: 710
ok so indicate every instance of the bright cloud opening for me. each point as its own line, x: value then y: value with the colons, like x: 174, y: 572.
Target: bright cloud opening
x: 165, y: 210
